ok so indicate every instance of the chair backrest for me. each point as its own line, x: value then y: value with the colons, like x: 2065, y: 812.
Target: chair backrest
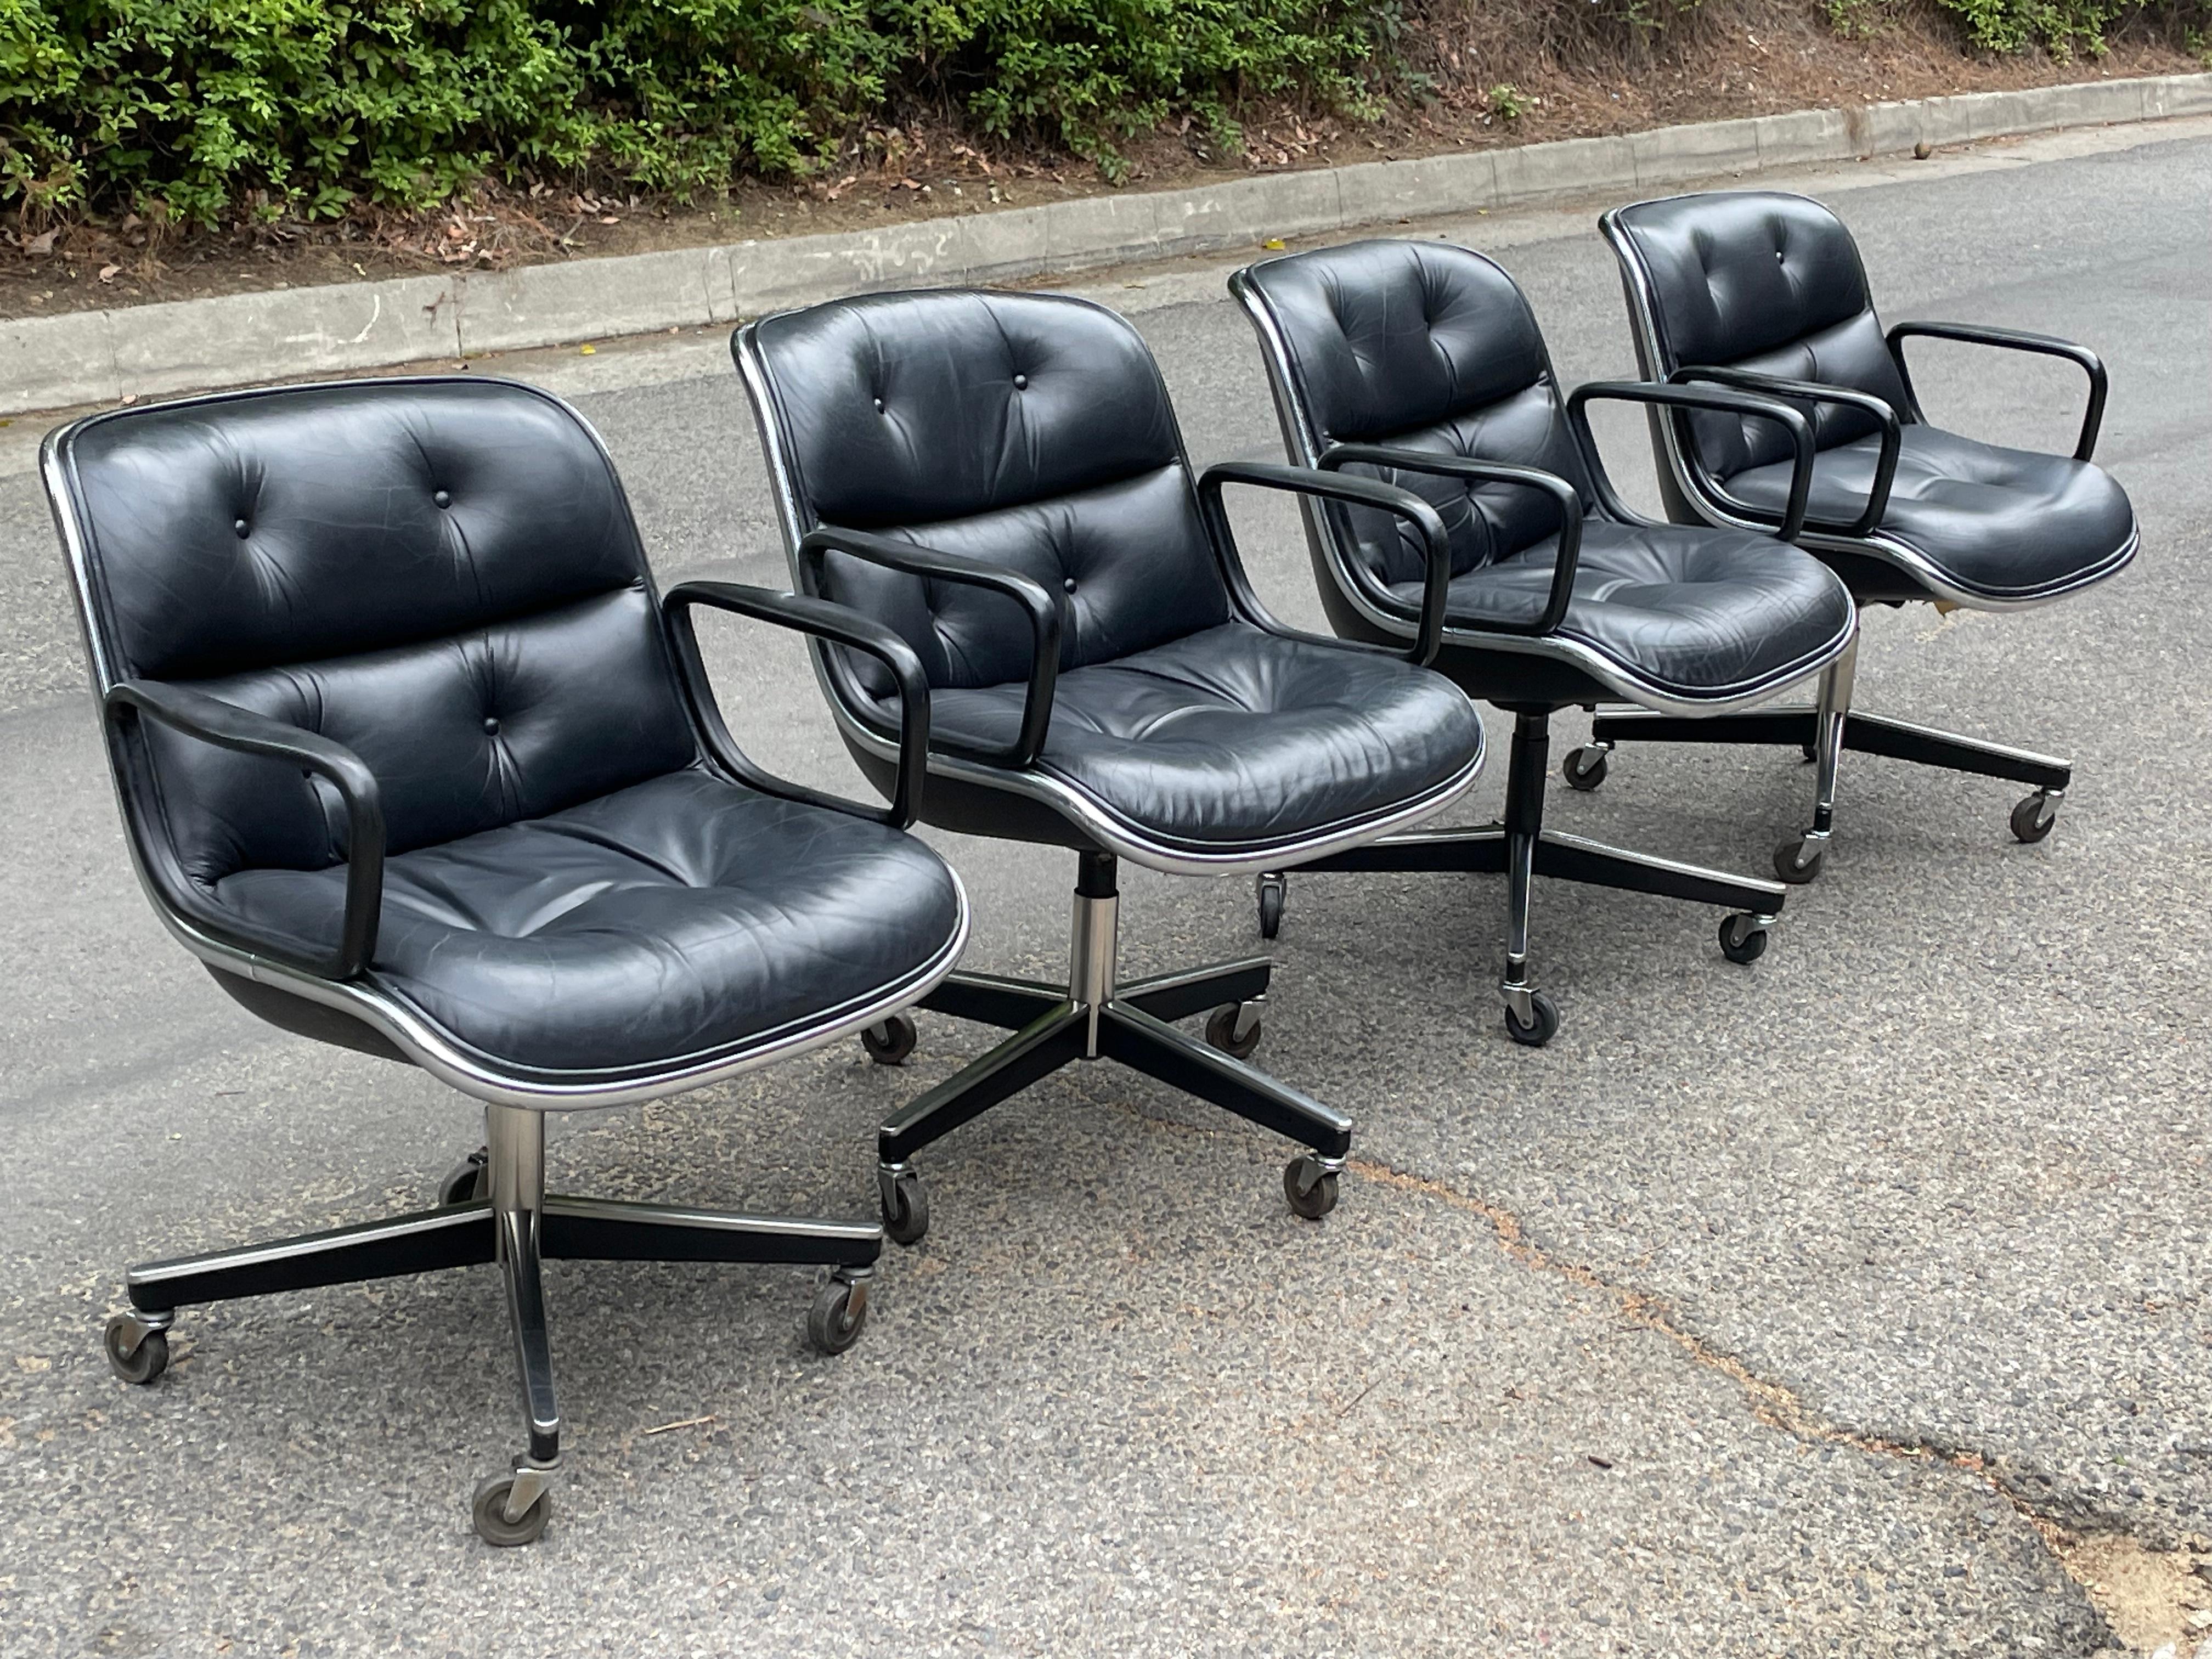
x: 441, y: 574
x: 1758, y: 280
x: 1030, y: 430
x: 1421, y: 345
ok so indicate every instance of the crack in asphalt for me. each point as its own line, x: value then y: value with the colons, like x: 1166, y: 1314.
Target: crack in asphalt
x: 2082, y: 1555
x: 2156, y: 1620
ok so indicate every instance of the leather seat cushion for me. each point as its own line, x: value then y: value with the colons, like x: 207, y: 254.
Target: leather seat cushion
x: 1234, y: 736
x: 2008, y: 523
x: 681, y: 917
x: 1695, y: 613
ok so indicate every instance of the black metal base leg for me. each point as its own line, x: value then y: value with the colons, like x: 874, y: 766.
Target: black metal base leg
x: 1480, y: 850
x: 1835, y: 726
x: 1924, y: 745
x: 993, y: 999
x: 519, y: 1226
x: 1159, y: 1050
x: 1863, y: 734
x: 1570, y: 858
x: 1477, y: 851
x: 607, y: 1230
x: 1094, y: 1017
x: 1780, y: 727
x: 1037, y: 1050
x: 459, y: 1237
x: 1521, y: 848
x: 463, y: 1235
x: 1180, y: 995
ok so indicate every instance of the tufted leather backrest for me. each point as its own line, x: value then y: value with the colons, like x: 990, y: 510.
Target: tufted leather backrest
x: 1032, y: 430
x: 1764, y: 281
x: 442, y: 575
x: 1426, y: 346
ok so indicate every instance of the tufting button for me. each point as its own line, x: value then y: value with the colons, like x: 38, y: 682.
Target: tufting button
x: 1068, y: 583
x: 879, y: 405
x: 1778, y: 256
x: 442, y: 498
x: 1021, y: 383
x: 240, y: 528
x: 491, y: 727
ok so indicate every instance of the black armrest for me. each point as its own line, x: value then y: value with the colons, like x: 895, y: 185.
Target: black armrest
x: 228, y: 726
x: 2014, y: 339
x: 1817, y: 392
x: 1041, y: 607
x: 1568, y: 498
x: 824, y: 620
x: 1361, y: 492
x: 1042, y: 610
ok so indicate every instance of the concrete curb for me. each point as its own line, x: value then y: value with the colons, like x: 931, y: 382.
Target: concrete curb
x: 101, y: 356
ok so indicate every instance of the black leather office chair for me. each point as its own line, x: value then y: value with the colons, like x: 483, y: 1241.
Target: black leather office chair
x: 1000, y: 478
x: 411, y: 758
x: 1765, y: 291
x: 1420, y: 363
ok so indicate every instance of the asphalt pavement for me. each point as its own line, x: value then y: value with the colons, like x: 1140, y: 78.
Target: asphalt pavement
x: 1780, y: 1310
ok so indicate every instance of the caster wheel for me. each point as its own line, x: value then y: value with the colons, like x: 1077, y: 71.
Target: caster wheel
x: 1799, y: 861
x: 1584, y: 768
x: 140, y: 1362
x: 906, y: 1207
x: 839, y: 1313
x: 890, y: 1043
x: 1809, y: 752
x: 2032, y: 820
x: 466, y: 1181
x: 1743, y: 940
x: 1271, y: 890
x: 489, y: 1511
x: 1221, y: 1031
x: 1546, y: 1025
x: 1310, y: 1188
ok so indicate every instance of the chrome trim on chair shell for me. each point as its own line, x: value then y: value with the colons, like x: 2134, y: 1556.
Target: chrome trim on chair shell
x: 1298, y: 424
x: 1691, y: 479
x: 478, y: 1075
x: 1111, y: 833
x: 1125, y: 840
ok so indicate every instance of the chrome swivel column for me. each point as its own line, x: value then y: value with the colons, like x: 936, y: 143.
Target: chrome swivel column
x: 513, y: 1508
x: 1800, y: 860
x: 1092, y: 941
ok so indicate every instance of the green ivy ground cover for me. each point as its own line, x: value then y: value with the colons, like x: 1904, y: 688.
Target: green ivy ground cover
x: 293, y: 107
